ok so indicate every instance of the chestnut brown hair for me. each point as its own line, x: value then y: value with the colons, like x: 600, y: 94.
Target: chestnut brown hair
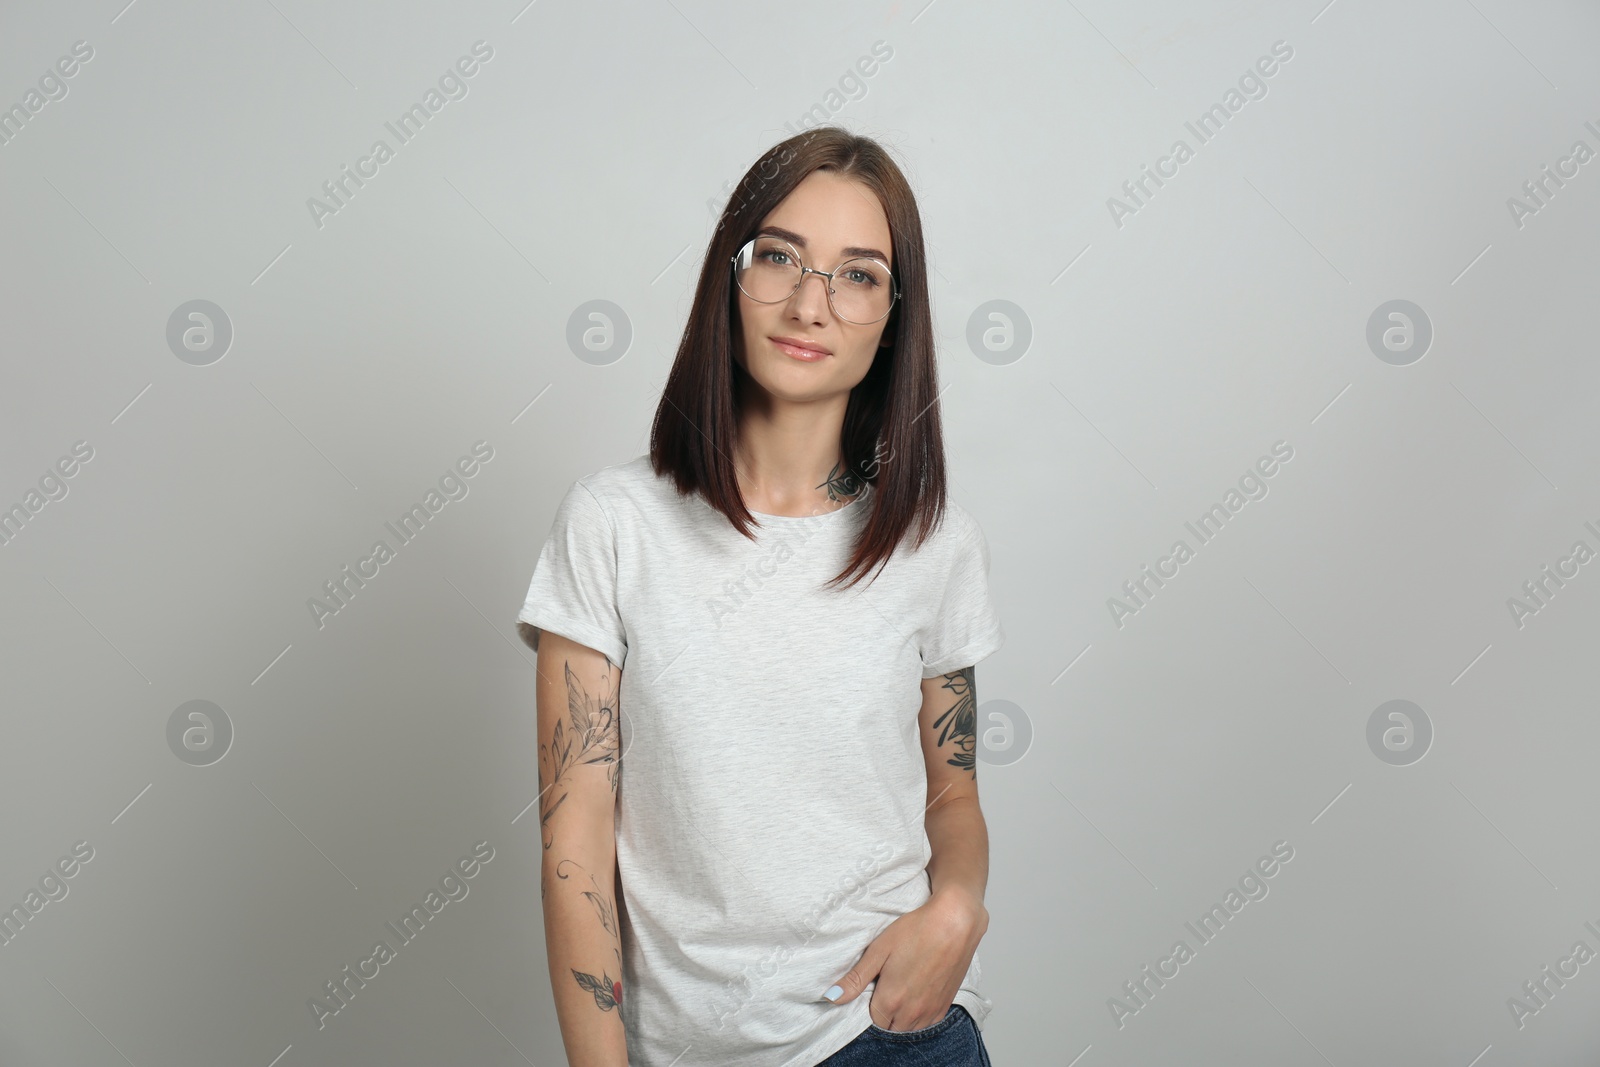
x: 891, y: 437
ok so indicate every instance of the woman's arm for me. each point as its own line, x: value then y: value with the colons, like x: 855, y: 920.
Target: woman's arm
x: 919, y: 959
x: 959, y: 868
x: 579, y: 760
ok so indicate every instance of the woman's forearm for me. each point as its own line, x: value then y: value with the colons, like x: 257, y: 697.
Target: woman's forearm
x: 959, y: 839
x: 584, y: 947
x: 579, y: 732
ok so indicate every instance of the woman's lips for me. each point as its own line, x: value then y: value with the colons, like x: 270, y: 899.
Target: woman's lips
x: 806, y: 354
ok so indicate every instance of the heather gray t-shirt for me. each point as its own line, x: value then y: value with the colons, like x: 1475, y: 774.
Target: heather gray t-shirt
x: 772, y: 783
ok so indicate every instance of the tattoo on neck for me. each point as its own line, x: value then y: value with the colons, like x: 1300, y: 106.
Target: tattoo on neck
x: 841, y: 485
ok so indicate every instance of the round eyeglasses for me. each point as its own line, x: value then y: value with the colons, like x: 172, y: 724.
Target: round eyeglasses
x: 860, y: 290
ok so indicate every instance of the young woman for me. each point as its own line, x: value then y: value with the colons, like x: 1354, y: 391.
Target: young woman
x: 777, y: 858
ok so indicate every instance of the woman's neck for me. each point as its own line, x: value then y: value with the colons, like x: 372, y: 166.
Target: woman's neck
x: 792, y: 464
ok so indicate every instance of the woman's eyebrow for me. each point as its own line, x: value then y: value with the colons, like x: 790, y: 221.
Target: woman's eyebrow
x: 800, y: 242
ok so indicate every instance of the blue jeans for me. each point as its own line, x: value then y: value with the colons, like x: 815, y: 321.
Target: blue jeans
x: 953, y: 1041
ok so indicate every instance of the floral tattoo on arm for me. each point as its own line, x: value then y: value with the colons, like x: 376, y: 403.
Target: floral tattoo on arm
x: 607, y: 991
x: 960, y: 720
x: 594, y: 732
x: 588, y: 736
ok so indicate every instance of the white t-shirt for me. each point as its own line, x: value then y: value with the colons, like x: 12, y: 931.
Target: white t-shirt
x: 772, y: 783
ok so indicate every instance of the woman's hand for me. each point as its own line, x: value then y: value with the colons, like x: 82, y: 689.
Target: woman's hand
x: 918, y: 961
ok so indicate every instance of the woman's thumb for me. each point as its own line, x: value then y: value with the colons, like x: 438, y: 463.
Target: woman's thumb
x: 865, y: 970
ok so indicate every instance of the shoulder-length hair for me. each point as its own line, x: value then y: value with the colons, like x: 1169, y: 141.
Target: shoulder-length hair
x: 891, y: 437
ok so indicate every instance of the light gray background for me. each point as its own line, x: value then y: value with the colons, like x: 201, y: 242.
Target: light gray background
x: 585, y: 163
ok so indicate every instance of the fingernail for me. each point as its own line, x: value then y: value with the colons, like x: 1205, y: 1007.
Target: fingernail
x: 833, y: 992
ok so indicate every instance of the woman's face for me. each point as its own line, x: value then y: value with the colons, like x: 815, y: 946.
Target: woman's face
x: 824, y: 215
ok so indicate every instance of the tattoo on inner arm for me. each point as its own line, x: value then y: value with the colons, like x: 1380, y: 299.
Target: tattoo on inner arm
x: 607, y: 991
x: 595, y: 732
x: 592, y: 739
x: 960, y: 720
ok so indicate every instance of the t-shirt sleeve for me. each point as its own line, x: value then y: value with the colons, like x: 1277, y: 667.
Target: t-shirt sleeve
x: 966, y: 628
x: 574, y: 587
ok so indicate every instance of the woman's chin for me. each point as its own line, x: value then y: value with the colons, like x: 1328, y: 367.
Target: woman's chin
x: 798, y: 383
